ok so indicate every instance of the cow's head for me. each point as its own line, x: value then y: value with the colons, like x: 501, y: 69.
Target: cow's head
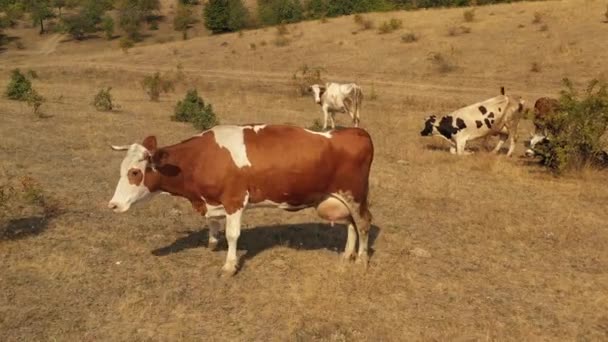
x: 429, y: 126
x: 535, y: 139
x: 317, y: 91
x: 131, y: 186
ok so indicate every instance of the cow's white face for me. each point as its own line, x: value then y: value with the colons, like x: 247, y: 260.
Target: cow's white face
x: 317, y: 92
x: 130, y: 187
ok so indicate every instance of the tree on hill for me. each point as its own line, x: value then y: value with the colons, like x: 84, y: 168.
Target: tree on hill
x: 183, y: 20
x: 41, y: 11
x: 225, y: 15
x: 132, y: 13
x: 86, y: 20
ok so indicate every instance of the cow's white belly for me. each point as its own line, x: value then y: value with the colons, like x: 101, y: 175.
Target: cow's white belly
x: 220, y: 211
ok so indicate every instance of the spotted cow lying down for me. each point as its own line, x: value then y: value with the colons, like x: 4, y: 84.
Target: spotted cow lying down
x: 499, y: 115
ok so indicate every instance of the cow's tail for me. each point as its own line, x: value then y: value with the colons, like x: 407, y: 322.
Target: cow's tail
x: 358, y: 211
x: 358, y: 103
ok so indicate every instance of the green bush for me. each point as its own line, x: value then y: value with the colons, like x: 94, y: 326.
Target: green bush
x: 409, y: 37
x: 469, y: 15
x: 34, y: 100
x: 576, y: 129
x: 390, y: 26
x: 346, y: 7
x: 126, y: 43
x: 155, y: 85
x: 274, y: 12
x: 183, y: 20
x: 107, y: 24
x: 225, y: 15
x: 194, y: 110
x: 103, y: 100
x: 364, y: 23
x: 19, y: 86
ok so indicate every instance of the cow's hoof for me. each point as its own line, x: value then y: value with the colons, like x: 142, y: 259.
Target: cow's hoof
x: 348, y: 257
x: 212, y: 245
x: 363, y: 260
x: 228, y: 270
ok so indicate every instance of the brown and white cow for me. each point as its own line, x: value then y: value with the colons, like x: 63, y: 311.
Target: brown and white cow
x: 544, y: 109
x: 498, y: 115
x: 227, y: 169
x: 336, y: 97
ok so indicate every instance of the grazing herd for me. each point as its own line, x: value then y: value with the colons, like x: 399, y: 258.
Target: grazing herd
x: 230, y: 168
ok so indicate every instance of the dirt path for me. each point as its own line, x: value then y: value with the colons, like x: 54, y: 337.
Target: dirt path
x: 50, y: 45
x: 392, y: 86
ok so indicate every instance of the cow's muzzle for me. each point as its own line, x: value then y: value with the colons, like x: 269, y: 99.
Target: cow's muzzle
x: 117, y: 208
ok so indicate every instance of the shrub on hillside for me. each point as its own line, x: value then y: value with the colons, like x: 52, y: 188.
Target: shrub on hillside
x: 103, y: 100
x: 183, y: 20
x: 576, y: 131
x: 125, y: 44
x: 390, y: 26
x: 364, y: 23
x: 194, y: 110
x: 155, y: 85
x: 469, y: 15
x: 18, y: 87
x: 34, y: 100
x: 132, y: 13
x: 409, y: 37
x: 305, y: 76
x: 225, y: 15
x: 346, y: 7
x: 274, y: 12
x: 85, y: 20
x: 443, y: 64
x: 107, y: 24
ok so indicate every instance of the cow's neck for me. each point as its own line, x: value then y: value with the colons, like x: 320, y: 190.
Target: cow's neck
x: 171, y: 176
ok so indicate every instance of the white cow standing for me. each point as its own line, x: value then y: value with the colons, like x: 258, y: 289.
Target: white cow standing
x: 336, y: 97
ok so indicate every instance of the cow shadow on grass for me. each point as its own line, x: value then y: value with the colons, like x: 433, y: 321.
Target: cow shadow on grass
x: 306, y: 236
x: 21, y: 228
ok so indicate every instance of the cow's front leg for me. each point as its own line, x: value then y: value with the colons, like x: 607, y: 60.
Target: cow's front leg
x: 233, y: 231
x: 460, y: 146
x: 333, y: 120
x: 214, y: 227
x: 325, y: 114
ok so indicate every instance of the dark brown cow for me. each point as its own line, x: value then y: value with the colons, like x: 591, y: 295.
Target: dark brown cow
x: 227, y: 169
x: 544, y: 108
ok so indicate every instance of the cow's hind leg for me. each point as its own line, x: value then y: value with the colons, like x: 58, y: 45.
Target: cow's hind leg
x: 503, y: 138
x: 363, y: 221
x: 214, y: 227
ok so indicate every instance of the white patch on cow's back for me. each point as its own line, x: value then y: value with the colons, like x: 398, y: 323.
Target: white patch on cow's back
x: 257, y: 128
x: 325, y: 134
x: 232, y: 138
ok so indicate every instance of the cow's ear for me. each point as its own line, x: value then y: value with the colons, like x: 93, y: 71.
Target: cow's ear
x: 150, y: 143
x: 159, y: 159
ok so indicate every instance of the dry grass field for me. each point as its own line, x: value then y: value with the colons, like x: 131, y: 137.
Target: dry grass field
x: 514, y: 253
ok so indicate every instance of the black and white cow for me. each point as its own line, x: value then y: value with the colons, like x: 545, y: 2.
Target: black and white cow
x: 336, y: 97
x: 499, y: 115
